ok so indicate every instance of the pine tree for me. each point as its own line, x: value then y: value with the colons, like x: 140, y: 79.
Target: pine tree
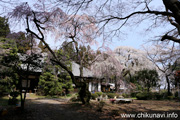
x: 4, y: 27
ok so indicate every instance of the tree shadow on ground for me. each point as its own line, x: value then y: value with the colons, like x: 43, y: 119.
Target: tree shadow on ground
x: 48, y: 109
x: 58, y: 109
x: 147, y: 110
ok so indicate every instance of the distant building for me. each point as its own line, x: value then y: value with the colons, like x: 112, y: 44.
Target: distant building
x: 95, y: 84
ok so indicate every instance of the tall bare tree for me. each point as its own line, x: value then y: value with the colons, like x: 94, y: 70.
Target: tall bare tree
x: 165, y: 59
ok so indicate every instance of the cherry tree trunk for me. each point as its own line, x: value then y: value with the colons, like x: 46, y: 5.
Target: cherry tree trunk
x: 168, y: 86
x: 84, y: 93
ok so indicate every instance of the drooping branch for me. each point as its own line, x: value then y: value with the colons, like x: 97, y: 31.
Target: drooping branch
x: 56, y: 60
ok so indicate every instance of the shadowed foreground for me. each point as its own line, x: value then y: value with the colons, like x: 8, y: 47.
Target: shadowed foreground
x: 53, y: 109
x: 60, y: 109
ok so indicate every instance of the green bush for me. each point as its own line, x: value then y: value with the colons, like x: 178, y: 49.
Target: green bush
x: 143, y: 96
x: 125, y: 95
x: 157, y: 96
x: 14, y: 94
x: 94, y: 96
x: 103, y: 95
x: 49, y: 84
x: 154, y: 95
x: 164, y: 94
x: 133, y: 94
x: 170, y: 97
x: 40, y: 92
x: 112, y: 95
x: 150, y: 95
x: 69, y: 95
x: 99, y: 93
x: 13, y: 100
x: 176, y: 94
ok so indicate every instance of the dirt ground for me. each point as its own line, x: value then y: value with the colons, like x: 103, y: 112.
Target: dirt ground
x: 61, y: 109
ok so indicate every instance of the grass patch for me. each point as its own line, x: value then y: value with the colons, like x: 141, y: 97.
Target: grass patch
x: 4, y: 101
x: 134, y: 98
x: 34, y: 96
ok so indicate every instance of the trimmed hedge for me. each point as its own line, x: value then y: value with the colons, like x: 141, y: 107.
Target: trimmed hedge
x: 13, y: 100
x: 133, y: 94
x: 142, y: 96
x: 125, y: 95
x: 157, y: 96
x: 94, y: 96
x: 112, y: 95
x: 99, y: 93
x: 176, y: 94
x: 170, y: 97
x: 154, y: 96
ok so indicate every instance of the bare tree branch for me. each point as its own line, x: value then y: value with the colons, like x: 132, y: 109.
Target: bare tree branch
x: 167, y: 37
x: 56, y: 60
x: 135, y: 13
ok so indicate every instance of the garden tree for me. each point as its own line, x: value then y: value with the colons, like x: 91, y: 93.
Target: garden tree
x: 12, y: 70
x: 165, y: 58
x: 4, y: 27
x: 147, y: 78
x: 107, y: 66
x: 67, y: 48
x: 64, y: 77
x: 6, y: 82
x: 23, y: 42
x: 9, y: 79
x: 56, y: 21
x: 29, y: 62
x: 54, y: 80
x: 176, y: 73
x: 87, y: 54
x: 19, y: 65
x: 48, y: 82
x: 90, y: 55
x: 132, y: 60
x: 9, y: 59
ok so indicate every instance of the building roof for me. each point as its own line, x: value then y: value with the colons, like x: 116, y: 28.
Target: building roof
x: 75, y: 67
x: 76, y: 71
x: 36, y: 63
